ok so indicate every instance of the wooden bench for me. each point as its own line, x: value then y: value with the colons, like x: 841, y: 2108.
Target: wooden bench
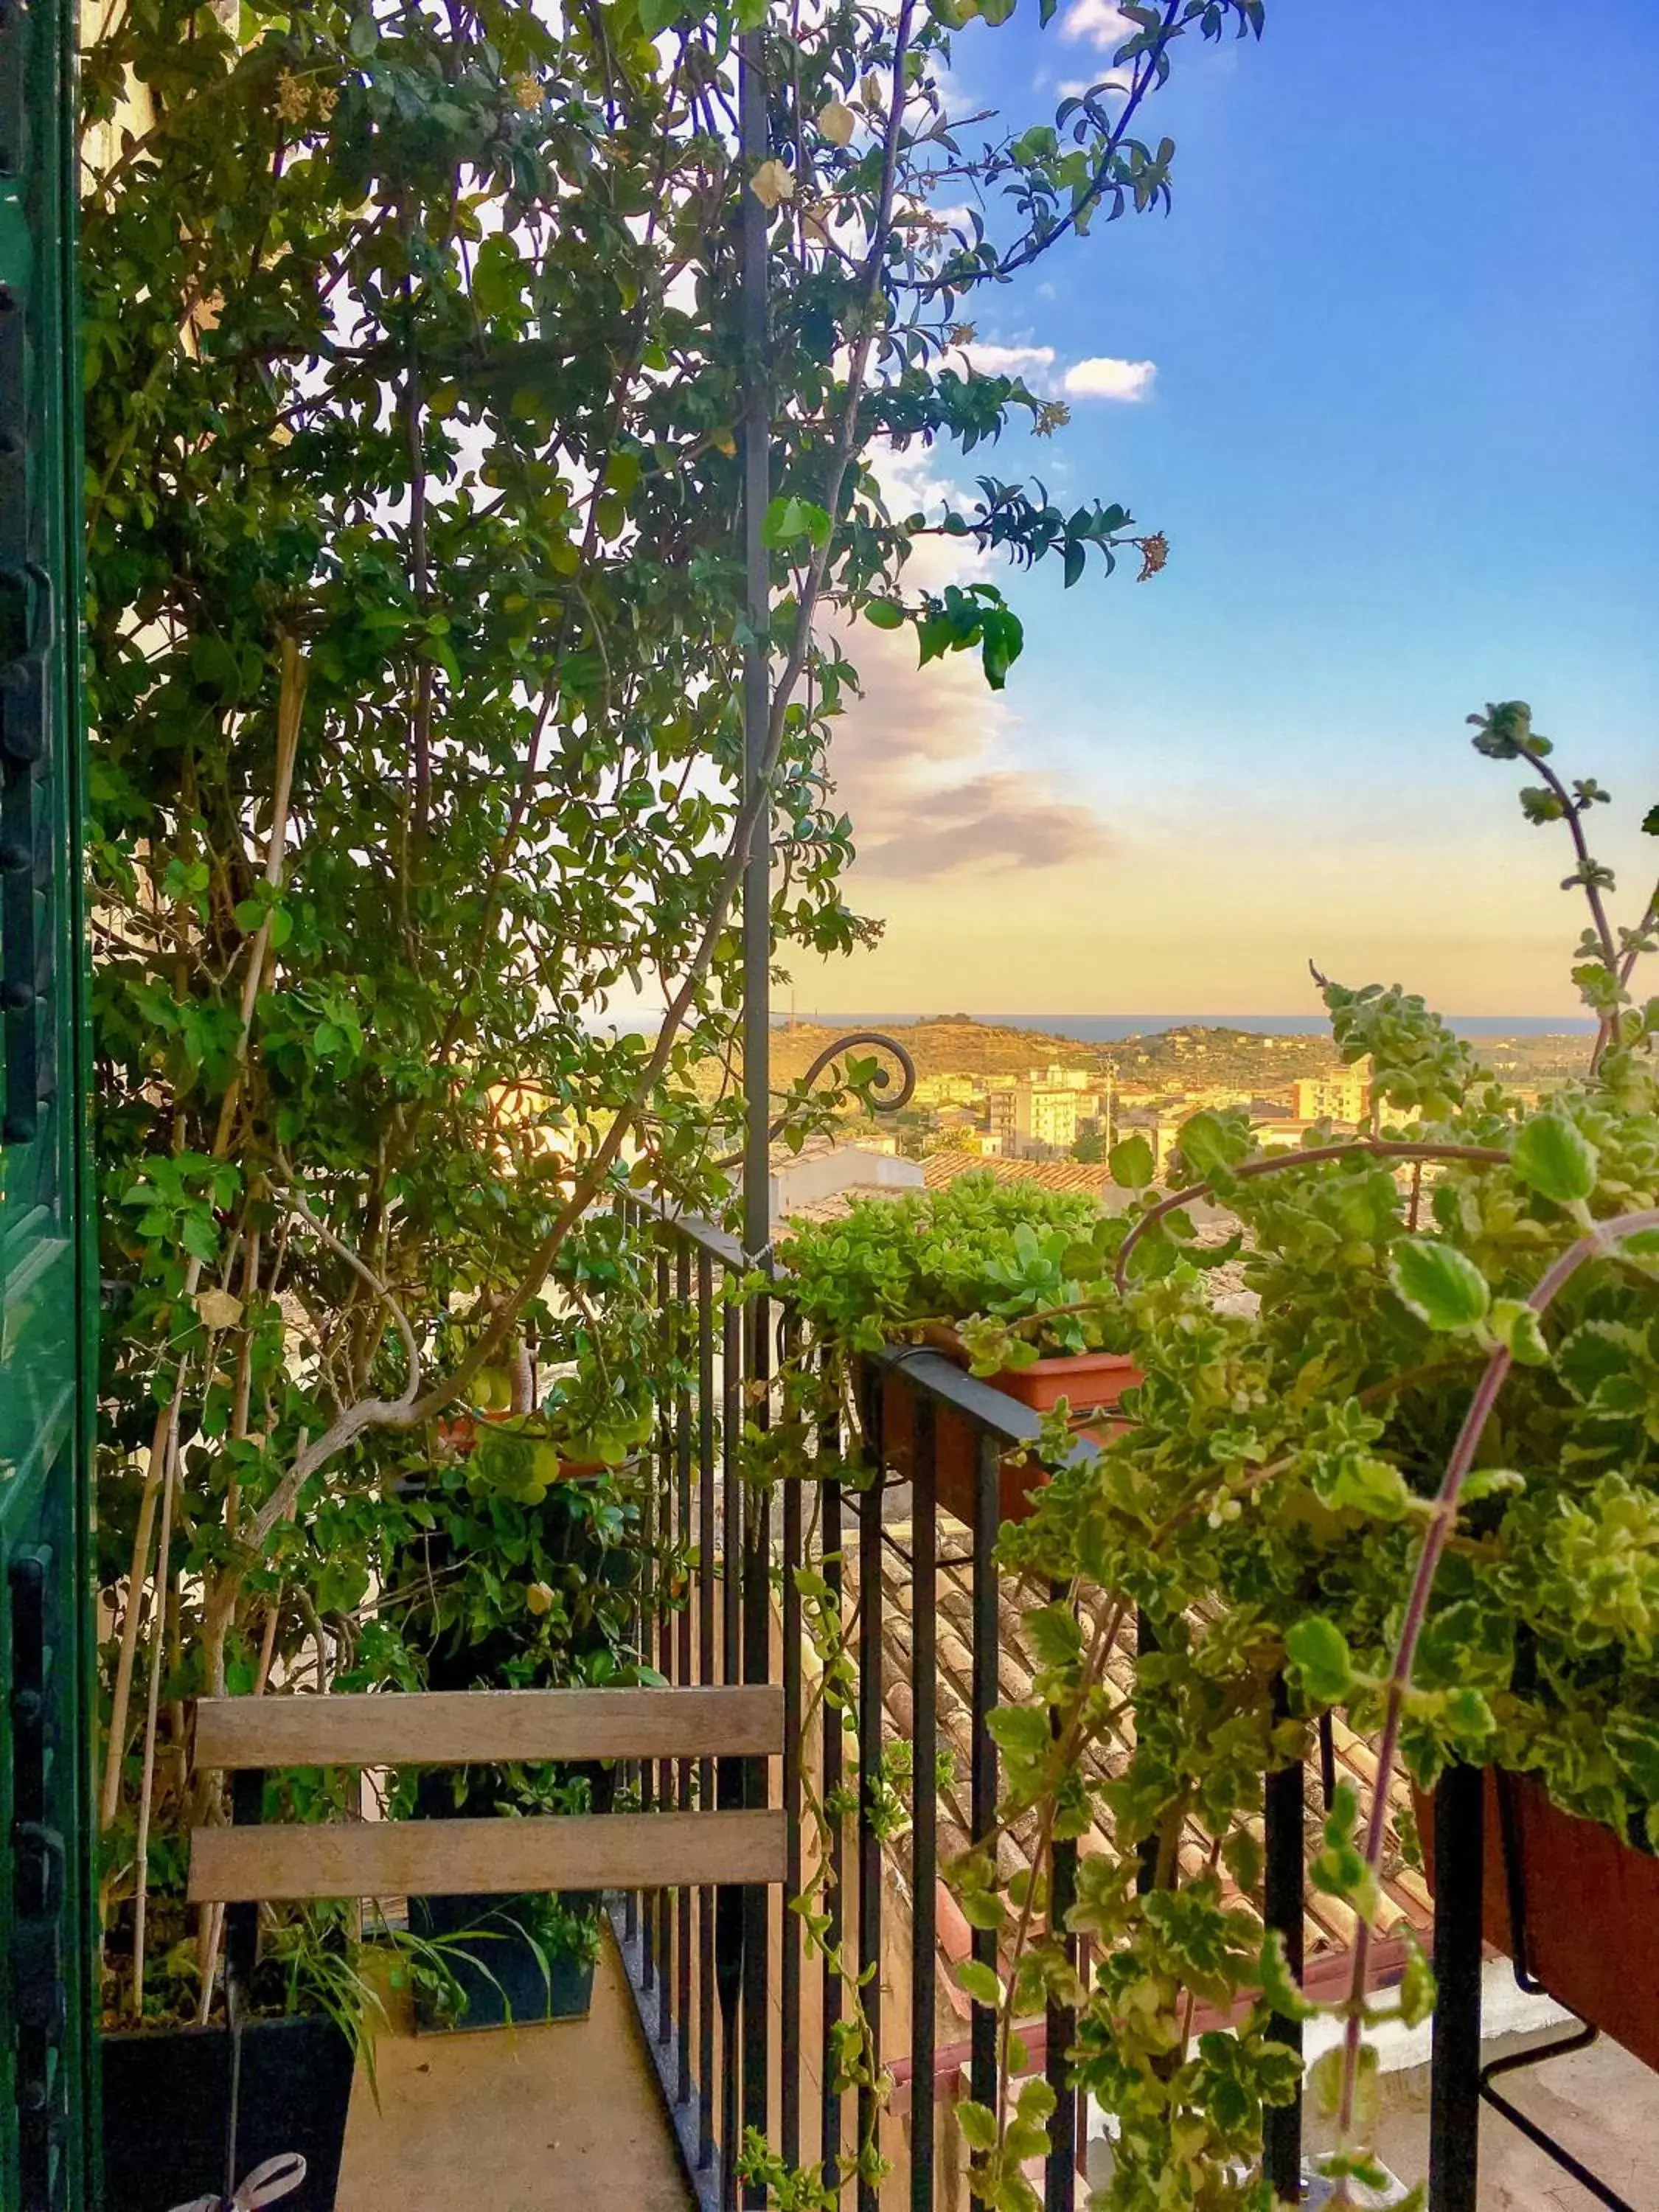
x: 247, y: 1862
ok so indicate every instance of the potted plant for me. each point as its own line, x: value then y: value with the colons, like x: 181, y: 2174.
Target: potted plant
x: 173, y: 2129
x: 518, y: 1567
x: 1001, y: 1278
x: 1419, y: 1481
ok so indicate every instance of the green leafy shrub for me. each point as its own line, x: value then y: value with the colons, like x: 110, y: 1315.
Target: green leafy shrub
x: 417, y: 616
x: 975, y: 1248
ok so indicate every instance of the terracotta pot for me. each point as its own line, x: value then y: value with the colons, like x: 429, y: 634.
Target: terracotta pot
x: 1592, y: 1910
x: 460, y: 1434
x: 1090, y: 1381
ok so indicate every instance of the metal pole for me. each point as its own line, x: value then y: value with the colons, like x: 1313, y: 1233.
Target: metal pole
x: 756, y: 660
x: 753, y: 1552
x: 1284, y: 1812
x: 1454, y: 2066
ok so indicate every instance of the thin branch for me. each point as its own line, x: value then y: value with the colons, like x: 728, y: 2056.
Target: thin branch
x: 147, y: 1787
x: 368, y: 1412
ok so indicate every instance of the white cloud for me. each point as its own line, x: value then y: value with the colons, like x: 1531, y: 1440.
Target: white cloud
x: 925, y: 758
x: 1112, y: 80
x: 1033, y: 362
x: 1102, y: 377
x: 1098, y: 22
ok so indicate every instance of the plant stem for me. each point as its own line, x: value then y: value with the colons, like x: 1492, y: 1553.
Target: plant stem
x: 147, y: 1787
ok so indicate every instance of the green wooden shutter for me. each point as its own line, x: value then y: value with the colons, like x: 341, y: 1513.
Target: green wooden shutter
x: 47, y: 1264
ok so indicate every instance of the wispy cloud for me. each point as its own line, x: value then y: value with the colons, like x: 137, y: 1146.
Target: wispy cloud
x: 1098, y: 22
x: 1033, y: 362
x: 921, y: 759
x: 988, y: 823
x: 1102, y: 377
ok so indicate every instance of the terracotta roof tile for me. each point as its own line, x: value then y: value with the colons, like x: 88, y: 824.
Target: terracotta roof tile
x: 1329, y: 1926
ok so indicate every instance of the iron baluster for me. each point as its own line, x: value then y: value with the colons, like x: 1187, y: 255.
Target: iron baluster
x: 1283, y: 1814
x: 789, y: 2050
x: 1060, y: 2167
x: 983, y: 2066
x: 834, y: 1731
x: 924, y: 1798
x: 705, y: 1541
x: 1455, y: 2065
x: 870, y: 1749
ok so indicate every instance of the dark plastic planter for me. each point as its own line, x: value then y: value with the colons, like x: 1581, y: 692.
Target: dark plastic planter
x: 500, y: 1972
x: 167, y: 2107
x: 1592, y: 1910
x: 1092, y: 1381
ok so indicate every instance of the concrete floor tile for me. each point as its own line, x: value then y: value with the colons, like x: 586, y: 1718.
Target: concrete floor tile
x: 564, y: 2117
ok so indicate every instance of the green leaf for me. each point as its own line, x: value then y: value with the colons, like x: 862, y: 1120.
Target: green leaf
x: 1441, y: 1286
x: 1132, y: 1164
x: 1518, y: 1329
x: 1417, y: 1983
x: 1241, y: 1857
x: 1325, y: 2083
x: 1054, y: 1635
x: 1318, y: 1651
x: 1489, y: 1482
x: 788, y: 520
x: 979, y: 1982
x: 1278, y: 1984
x: 1036, y: 2101
x: 1555, y: 1158
x: 1211, y: 1143
x: 1021, y: 1730
x: 1359, y: 1482
x: 978, y: 2123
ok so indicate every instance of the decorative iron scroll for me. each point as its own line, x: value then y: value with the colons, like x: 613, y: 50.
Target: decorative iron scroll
x: 881, y: 1042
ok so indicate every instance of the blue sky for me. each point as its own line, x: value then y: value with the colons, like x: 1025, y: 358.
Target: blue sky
x: 1403, y: 435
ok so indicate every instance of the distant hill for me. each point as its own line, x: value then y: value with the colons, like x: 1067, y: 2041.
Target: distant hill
x: 957, y: 1044
x: 1190, y: 1058
x: 1196, y: 1057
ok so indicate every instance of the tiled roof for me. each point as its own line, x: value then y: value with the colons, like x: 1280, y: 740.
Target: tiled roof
x: 1071, y: 1175
x: 1329, y: 1925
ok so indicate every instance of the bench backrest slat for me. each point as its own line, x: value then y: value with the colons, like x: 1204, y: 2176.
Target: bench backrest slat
x: 415, y: 1858
x: 462, y: 1728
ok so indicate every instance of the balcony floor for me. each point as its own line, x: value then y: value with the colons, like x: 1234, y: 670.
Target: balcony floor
x: 559, y: 2118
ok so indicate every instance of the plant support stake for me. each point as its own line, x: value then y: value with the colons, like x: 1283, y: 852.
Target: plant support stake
x: 756, y: 664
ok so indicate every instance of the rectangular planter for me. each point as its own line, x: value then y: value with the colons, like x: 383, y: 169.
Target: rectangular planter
x: 1592, y: 1910
x: 167, y: 2107
x: 500, y: 1972
x: 1092, y: 1381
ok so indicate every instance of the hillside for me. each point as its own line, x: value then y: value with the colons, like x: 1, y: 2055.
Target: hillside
x: 1193, y: 1057
x: 957, y: 1045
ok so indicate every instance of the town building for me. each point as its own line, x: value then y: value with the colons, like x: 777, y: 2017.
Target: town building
x: 1346, y: 1097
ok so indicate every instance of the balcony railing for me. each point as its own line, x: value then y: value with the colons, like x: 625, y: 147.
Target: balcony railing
x: 744, y: 2016
x: 744, y: 2025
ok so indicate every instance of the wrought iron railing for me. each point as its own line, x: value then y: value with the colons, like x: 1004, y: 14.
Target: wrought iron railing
x: 742, y: 2016
x: 742, y: 2022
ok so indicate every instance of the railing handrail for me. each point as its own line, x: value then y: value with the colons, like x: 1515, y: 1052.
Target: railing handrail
x: 970, y: 1396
